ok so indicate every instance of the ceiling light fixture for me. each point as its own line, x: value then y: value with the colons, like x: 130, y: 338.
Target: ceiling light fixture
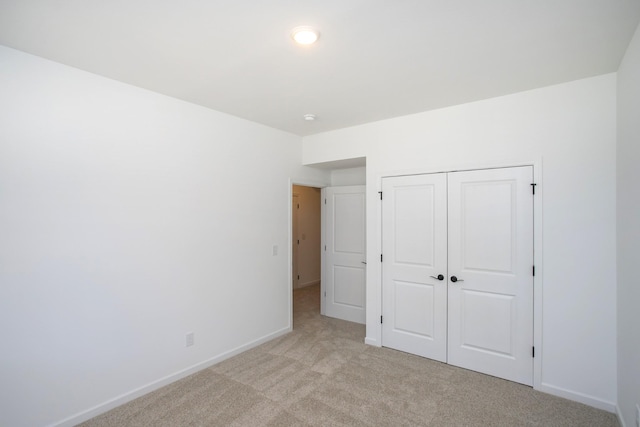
x: 309, y: 117
x: 304, y: 35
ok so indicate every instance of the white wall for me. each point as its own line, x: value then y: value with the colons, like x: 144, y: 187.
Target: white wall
x: 309, y: 235
x: 570, y: 131
x: 349, y: 176
x: 128, y: 219
x: 628, y: 204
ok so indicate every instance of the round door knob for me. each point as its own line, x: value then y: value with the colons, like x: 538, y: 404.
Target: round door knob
x: 454, y: 279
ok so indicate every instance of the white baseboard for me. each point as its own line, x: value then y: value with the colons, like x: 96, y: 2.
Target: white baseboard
x: 579, y: 397
x: 620, y: 418
x: 311, y: 283
x: 372, y: 341
x: 134, y: 394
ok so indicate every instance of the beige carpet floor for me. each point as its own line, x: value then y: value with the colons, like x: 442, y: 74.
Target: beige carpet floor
x: 322, y: 374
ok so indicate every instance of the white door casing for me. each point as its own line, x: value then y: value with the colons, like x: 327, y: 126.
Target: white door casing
x: 345, y: 255
x: 295, y: 241
x: 491, y: 256
x: 486, y: 218
x: 415, y: 265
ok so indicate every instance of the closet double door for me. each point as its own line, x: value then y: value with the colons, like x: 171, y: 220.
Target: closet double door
x: 457, y: 272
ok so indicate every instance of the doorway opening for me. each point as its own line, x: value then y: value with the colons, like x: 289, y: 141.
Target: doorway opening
x: 315, y: 284
x: 306, y: 234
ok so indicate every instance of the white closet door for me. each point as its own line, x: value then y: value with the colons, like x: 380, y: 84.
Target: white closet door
x: 490, y: 272
x: 345, y: 254
x: 414, y: 235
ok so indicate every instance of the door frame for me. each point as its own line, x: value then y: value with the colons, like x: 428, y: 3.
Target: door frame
x: 374, y: 284
x: 290, y: 193
x: 295, y: 248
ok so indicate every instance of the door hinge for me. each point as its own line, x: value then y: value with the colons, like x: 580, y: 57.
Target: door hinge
x: 534, y: 270
x: 533, y: 187
x: 325, y: 248
x: 298, y: 277
x: 380, y: 319
x: 380, y: 257
x: 325, y: 201
x: 298, y: 241
x: 325, y: 294
x: 380, y: 192
x: 533, y: 352
x: 298, y: 205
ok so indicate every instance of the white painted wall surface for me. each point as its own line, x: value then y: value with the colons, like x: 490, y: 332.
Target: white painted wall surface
x: 349, y: 176
x: 128, y: 219
x: 309, y: 235
x: 570, y: 130
x: 628, y: 211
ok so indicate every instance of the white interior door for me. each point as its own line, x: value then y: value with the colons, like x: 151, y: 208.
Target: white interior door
x: 345, y: 257
x: 490, y: 272
x: 414, y: 234
x: 475, y: 228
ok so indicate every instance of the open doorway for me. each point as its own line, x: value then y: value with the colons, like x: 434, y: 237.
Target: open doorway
x: 310, y: 263
x: 306, y: 251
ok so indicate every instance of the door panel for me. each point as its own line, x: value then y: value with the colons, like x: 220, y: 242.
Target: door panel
x: 348, y: 223
x: 345, y: 253
x: 349, y: 289
x: 487, y: 215
x: 414, y: 217
x: 415, y: 248
x: 413, y: 312
x: 491, y: 253
x: 486, y: 322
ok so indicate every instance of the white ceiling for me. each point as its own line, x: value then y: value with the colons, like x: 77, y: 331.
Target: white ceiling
x: 375, y: 59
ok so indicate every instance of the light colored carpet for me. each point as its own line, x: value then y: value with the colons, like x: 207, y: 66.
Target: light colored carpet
x: 322, y: 374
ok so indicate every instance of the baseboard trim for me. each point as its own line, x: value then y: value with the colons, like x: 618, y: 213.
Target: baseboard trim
x: 372, y: 341
x: 620, y: 417
x: 311, y: 283
x: 141, y: 391
x: 578, y: 397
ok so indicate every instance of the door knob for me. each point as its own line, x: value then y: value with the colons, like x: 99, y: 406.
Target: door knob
x: 454, y: 279
x: 440, y: 277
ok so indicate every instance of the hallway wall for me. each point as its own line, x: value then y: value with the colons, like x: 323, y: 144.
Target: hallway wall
x: 309, y: 235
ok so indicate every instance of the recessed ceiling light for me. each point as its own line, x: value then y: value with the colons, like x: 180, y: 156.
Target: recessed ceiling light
x: 309, y: 117
x: 305, y: 35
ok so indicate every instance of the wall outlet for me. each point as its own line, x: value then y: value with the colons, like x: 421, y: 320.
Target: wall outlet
x: 190, y: 339
x: 638, y: 414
